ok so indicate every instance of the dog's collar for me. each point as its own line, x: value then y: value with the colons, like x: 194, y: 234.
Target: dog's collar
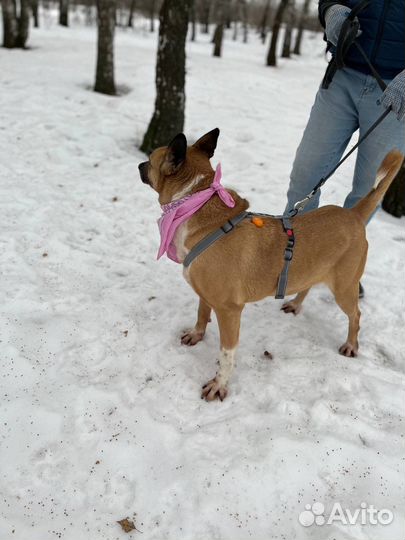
x: 169, y: 207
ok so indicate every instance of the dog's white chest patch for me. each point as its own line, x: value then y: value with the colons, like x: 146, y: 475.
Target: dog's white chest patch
x: 179, y: 241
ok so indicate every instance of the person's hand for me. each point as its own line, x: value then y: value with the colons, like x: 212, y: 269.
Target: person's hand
x: 394, y: 96
x: 335, y: 16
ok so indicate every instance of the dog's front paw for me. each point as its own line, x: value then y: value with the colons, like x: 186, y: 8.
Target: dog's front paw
x: 213, y: 390
x: 191, y: 337
x: 291, y: 307
x: 349, y: 350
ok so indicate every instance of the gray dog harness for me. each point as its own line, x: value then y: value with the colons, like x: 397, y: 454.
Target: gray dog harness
x: 230, y: 225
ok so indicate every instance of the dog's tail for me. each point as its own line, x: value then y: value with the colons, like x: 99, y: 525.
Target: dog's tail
x: 385, y: 175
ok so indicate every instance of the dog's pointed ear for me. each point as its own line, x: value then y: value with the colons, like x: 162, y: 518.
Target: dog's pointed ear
x: 176, y: 151
x: 208, y: 142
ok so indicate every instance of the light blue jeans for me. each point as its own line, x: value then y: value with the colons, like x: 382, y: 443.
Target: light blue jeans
x: 349, y: 104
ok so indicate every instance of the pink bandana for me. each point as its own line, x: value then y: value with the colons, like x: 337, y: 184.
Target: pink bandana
x: 176, y: 212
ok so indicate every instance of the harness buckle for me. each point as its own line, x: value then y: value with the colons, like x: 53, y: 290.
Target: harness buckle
x: 288, y: 253
x: 227, y: 226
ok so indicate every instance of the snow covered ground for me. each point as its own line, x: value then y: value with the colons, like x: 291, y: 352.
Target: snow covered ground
x: 100, y: 411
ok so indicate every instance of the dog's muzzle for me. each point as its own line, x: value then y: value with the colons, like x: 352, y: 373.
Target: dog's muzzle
x: 143, y: 171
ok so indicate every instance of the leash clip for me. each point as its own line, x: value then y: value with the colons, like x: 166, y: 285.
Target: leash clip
x: 300, y: 205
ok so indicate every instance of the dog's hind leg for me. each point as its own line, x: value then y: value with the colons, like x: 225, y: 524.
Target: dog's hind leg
x: 191, y: 337
x: 348, y: 301
x: 347, y: 296
x: 294, y: 306
x: 229, y: 326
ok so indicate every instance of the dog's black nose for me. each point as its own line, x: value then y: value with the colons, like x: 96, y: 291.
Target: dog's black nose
x: 143, y: 171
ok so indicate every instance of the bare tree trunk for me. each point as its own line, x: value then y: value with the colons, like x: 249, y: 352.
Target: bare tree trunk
x: 168, y: 118
x: 15, y: 28
x: 119, y: 14
x: 235, y: 30
x: 23, y: 23
x: 217, y: 39
x: 205, y: 18
x: 64, y: 12
x: 245, y: 15
x: 105, y: 47
x: 193, y: 23
x: 286, y: 53
x: 264, y: 21
x: 219, y: 29
x: 152, y: 15
x: 394, y: 199
x: 10, y: 29
x: 278, y: 19
x: 132, y: 7
x: 301, y: 24
x: 88, y: 15
x: 228, y: 16
x: 34, y: 8
x: 237, y: 15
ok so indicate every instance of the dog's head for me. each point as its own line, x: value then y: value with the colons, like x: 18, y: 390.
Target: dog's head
x: 173, y: 169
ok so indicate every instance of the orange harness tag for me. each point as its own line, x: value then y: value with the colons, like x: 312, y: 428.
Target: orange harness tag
x: 257, y: 221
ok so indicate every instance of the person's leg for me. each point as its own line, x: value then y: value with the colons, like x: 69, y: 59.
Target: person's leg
x: 333, y: 120
x: 388, y: 135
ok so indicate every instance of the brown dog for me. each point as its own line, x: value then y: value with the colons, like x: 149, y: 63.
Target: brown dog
x: 244, y: 266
